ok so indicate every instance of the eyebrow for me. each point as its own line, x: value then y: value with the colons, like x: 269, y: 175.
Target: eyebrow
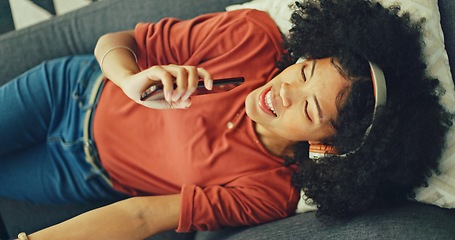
x: 312, y: 68
x: 318, y: 107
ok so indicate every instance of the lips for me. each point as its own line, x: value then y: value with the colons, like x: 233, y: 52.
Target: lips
x: 266, y: 102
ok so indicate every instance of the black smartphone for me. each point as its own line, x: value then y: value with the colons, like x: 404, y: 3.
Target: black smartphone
x: 219, y: 85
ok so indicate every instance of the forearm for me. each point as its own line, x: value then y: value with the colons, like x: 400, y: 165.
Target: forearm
x: 134, y: 218
x: 114, y: 56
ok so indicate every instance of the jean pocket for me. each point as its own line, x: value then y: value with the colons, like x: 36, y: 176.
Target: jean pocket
x: 91, y: 182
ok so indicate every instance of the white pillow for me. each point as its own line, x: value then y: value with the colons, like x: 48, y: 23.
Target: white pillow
x: 441, y: 189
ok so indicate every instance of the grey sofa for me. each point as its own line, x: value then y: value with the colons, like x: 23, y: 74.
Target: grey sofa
x: 77, y: 32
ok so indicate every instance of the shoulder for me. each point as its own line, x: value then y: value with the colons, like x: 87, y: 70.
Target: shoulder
x: 254, y: 19
x: 250, y: 27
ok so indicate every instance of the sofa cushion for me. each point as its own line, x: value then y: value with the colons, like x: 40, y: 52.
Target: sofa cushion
x: 411, y: 221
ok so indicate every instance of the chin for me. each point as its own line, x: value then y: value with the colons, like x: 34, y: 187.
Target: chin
x: 249, y: 103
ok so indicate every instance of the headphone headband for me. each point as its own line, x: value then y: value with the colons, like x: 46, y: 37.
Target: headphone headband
x: 379, y: 86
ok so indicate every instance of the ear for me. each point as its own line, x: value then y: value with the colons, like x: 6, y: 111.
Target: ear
x: 318, y: 149
x: 314, y: 143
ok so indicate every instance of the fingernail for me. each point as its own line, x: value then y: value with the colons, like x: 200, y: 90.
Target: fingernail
x: 186, y: 96
x: 176, y: 96
x: 210, y: 85
x: 188, y: 105
x: 167, y: 96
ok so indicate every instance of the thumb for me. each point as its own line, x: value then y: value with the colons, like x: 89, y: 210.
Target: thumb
x: 179, y: 105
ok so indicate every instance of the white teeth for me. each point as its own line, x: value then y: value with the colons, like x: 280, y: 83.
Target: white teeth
x: 268, y: 101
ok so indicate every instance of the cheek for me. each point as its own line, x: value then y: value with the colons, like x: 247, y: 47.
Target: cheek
x: 295, y: 130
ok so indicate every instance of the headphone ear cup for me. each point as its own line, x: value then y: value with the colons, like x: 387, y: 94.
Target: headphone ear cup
x: 320, y: 150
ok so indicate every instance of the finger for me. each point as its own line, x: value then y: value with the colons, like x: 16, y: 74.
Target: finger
x: 163, y: 104
x: 193, y: 80
x: 156, y: 104
x: 207, y: 77
x: 181, y: 81
x: 180, y: 104
x: 158, y: 73
x: 180, y: 78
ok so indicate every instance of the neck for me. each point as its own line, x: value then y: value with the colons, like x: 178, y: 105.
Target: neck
x: 276, y: 145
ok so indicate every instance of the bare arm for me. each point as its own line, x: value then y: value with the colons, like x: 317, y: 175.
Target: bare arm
x: 116, y: 54
x: 112, y: 53
x: 134, y: 218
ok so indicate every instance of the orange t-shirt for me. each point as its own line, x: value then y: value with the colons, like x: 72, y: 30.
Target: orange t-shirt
x: 226, y: 177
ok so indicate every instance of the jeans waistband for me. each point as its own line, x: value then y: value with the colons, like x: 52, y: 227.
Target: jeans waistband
x: 91, y: 155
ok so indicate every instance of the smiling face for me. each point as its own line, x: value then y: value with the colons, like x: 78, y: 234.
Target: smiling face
x: 300, y: 103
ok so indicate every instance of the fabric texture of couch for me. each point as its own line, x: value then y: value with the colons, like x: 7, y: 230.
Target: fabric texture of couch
x: 77, y: 33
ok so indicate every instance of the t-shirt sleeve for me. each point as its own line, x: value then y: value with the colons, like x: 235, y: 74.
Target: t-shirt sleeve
x: 207, y: 37
x: 247, y: 201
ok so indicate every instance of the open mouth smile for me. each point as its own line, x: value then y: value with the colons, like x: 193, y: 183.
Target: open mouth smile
x: 266, y: 102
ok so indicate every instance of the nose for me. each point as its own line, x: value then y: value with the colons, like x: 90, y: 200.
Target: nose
x: 292, y: 92
x: 286, y: 94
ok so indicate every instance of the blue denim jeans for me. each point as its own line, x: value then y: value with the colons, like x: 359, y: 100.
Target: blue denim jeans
x: 42, y: 157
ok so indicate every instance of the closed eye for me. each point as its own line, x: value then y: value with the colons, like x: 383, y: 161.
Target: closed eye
x: 306, y: 111
x: 303, y: 73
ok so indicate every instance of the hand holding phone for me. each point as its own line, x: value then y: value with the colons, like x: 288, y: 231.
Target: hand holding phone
x: 155, y: 91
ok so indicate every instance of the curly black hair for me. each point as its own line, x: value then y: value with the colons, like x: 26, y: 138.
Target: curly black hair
x: 408, y: 135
